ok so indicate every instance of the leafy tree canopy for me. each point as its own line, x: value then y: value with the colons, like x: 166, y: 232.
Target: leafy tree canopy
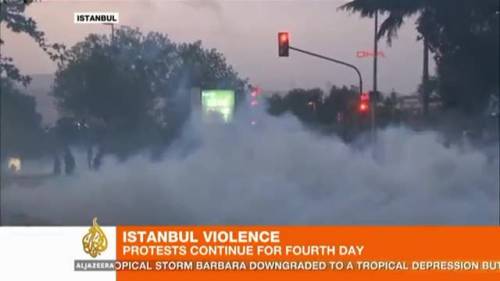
x: 463, y: 35
x: 137, y: 84
x: 12, y: 14
x: 21, y: 124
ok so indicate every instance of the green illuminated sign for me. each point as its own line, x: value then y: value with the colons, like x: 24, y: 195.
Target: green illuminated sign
x: 218, y: 105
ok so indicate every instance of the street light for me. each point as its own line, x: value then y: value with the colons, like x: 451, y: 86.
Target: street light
x: 312, y: 105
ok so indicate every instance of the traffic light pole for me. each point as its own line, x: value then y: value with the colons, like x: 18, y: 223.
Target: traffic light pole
x: 335, y: 61
x: 373, y: 100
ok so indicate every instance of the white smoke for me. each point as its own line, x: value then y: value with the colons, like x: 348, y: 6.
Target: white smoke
x: 274, y: 173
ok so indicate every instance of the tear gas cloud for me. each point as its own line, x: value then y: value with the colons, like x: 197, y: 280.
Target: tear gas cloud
x: 274, y: 173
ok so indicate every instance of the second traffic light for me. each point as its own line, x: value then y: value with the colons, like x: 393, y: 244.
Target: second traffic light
x: 364, y: 103
x: 283, y: 44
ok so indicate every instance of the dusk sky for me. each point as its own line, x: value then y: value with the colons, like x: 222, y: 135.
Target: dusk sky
x: 246, y: 32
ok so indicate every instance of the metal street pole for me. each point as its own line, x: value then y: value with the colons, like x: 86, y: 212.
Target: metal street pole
x: 335, y: 61
x: 112, y: 31
x: 425, y: 80
x: 1, y: 199
x: 375, y: 61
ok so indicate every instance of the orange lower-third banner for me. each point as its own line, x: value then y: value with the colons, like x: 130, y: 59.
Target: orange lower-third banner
x: 102, y: 253
x: 315, y: 253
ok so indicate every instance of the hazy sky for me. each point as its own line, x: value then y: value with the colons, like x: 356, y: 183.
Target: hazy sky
x: 245, y: 31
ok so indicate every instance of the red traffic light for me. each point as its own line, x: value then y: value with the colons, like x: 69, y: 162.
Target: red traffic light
x: 364, y: 102
x: 283, y: 44
x: 363, y: 107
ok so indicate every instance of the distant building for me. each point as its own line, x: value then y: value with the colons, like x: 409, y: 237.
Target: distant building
x: 413, y: 104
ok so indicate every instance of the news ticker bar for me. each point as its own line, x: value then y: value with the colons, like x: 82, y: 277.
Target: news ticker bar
x: 306, y: 265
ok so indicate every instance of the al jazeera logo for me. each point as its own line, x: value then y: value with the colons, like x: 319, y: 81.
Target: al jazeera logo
x: 95, y: 241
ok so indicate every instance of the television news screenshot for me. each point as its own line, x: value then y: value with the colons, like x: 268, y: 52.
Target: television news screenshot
x: 249, y: 140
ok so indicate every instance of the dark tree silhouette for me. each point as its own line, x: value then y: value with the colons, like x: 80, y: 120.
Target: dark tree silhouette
x: 462, y: 34
x: 21, y: 124
x: 135, y: 86
x: 12, y: 15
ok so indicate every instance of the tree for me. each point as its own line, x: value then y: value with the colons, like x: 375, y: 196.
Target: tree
x: 207, y: 69
x: 12, y: 15
x: 304, y: 103
x: 388, y: 112
x: 336, y: 113
x: 311, y: 105
x: 120, y: 84
x: 20, y: 123
x: 462, y: 34
x: 342, y: 100
x: 135, y: 85
x: 200, y: 68
x: 276, y: 105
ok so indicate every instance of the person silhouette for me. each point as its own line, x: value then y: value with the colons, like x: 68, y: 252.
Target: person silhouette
x: 69, y: 161
x: 57, y: 165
